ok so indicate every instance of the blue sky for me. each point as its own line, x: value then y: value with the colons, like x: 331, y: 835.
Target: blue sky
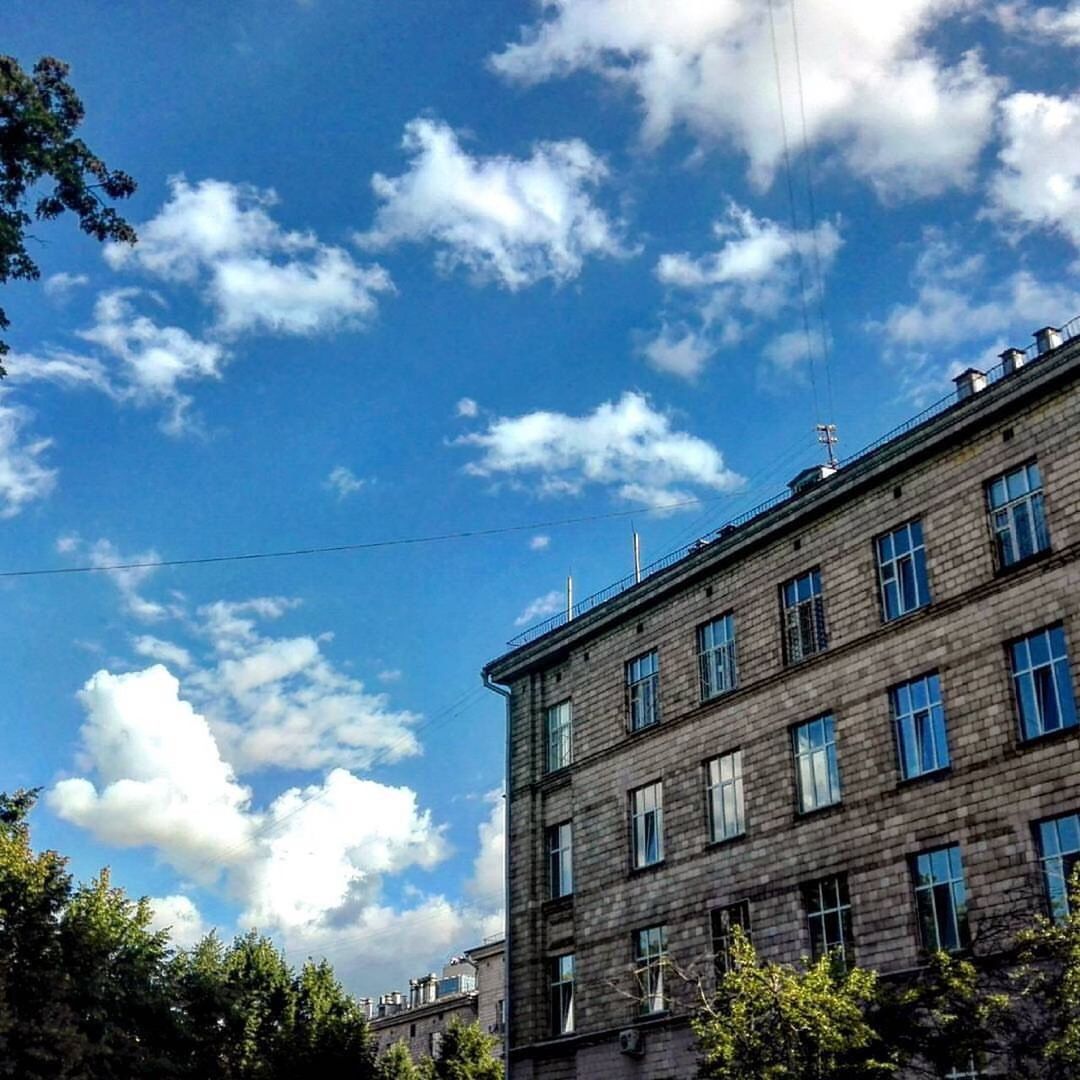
x: 417, y: 268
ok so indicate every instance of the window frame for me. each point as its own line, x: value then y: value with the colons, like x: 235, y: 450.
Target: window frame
x: 793, y: 625
x: 650, y: 968
x: 1058, y: 904
x: 560, y: 859
x: 639, y: 837
x: 708, y: 664
x: 1057, y: 681
x: 936, y: 723
x: 561, y: 994
x: 828, y: 747
x: 559, y: 735
x: 643, y: 691
x: 915, y: 555
x: 958, y: 913
x: 721, y: 925
x: 840, y: 912
x: 715, y: 796
x: 1037, y: 522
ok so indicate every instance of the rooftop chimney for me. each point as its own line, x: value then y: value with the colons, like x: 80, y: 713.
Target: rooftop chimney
x: 1049, y: 337
x: 969, y: 383
x: 1012, y: 360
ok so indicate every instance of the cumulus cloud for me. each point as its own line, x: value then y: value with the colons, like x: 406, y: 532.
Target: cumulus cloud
x: 467, y: 407
x: 257, y: 275
x: 962, y: 317
x: 1038, y: 184
x: 128, y: 572
x: 136, y: 360
x: 179, y: 915
x: 541, y: 607
x: 513, y: 221
x: 1053, y: 25
x: 753, y: 277
x: 279, y: 702
x: 308, y: 867
x: 627, y: 446
x: 24, y: 477
x: 166, y: 652
x: 875, y: 94
x: 160, y: 780
x: 487, y: 883
x: 343, y: 482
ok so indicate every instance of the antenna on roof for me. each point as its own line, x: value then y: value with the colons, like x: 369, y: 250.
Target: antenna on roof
x: 569, y: 597
x: 826, y: 435
x: 637, y: 556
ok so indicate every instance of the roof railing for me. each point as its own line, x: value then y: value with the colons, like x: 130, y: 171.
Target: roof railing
x: 1004, y: 369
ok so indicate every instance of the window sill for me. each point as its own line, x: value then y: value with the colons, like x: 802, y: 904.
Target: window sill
x: 926, y: 777
x: 557, y: 904
x: 1047, y: 737
x: 904, y: 615
x: 636, y: 871
x: 790, y: 664
x: 1022, y: 564
x: 632, y: 731
x: 727, y: 841
x: 819, y: 811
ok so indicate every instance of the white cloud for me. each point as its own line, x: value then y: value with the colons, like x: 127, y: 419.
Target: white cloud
x: 962, y: 318
x: 1058, y: 26
x: 626, y: 445
x: 541, y: 607
x: 390, y: 675
x: 57, y: 286
x: 256, y: 274
x: 467, y: 407
x: 487, y: 884
x: 179, y: 915
x: 164, y: 651
x: 160, y: 778
x: 540, y: 542
x: 874, y: 94
x: 514, y: 221
x: 104, y: 554
x: 343, y: 482
x: 1038, y: 184
x: 24, y: 477
x: 138, y: 360
x: 753, y: 277
x: 279, y: 702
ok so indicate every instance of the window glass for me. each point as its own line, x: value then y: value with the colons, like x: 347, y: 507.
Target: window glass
x: 650, y: 961
x: 647, y: 824
x: 816, y: 771
x: 920, y: 726
x: 902, y: 570
x: 941, y: 899
x: 1059, y: 852
x: 716, y: 656
x: 724, y: 921
x: 643, y: 690
x: 828, y: 916
x: 804, y: 617
x: 1042, y: 683
x: 560, y: 860
x: 1016, y: 515
x: 561, y: 995
x: 559, y: 736
x: 725, y: 795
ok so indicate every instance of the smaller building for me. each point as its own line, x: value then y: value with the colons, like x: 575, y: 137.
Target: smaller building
x: 470, y: 990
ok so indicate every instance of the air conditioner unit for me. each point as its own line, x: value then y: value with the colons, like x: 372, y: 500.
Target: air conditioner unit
x: 632, y: 1042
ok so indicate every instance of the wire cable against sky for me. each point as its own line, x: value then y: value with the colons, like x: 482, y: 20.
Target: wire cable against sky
x: 365, y: 545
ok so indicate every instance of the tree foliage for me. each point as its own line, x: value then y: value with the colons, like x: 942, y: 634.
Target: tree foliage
x: 45, y: 170
x: 396, y: 1063
x: 467, y: 1054
x: 88, y: 991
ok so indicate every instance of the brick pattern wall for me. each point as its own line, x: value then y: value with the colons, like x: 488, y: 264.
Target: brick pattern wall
x: 986, y: 803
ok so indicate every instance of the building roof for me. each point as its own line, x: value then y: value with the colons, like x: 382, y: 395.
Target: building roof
x: 1008, y: 387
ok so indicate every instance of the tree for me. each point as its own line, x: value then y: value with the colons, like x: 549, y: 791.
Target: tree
x: 773, y: 1022
x: 396, y: 1063
x: 331, y: 1037
x: 38, y: 117
x: 467, y: 1054
x: 43, y: 1039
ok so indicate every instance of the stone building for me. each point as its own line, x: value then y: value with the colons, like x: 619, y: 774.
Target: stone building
x: 846, y: 722
x: 470, y: 989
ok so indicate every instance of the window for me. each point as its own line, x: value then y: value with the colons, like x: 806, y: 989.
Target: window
x: 560, y: 750
x: 941, y: 899
x: 828, y: 917
x: 724, y: 921
x: 1059, y: 851
x: 500, y: 1016
x: 1016, y: 515
x: 804, y: 617
x: 725, y: 793
x: 1042, y: 682
x: 967, y: 1071
x: 561, y: 994
x: 643, y: 689
x: 650, y: 959
x: 902, y: 570
x: 816, y: 772
x: 647, y: 824
x: 920, y: 726
x: 716, y: 656
x: 560, y: 860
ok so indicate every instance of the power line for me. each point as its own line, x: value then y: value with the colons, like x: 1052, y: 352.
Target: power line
x: 367, y: 545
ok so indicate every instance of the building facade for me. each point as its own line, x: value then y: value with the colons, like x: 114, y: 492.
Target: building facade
x: 470, y: 990
x: 848, y: 722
